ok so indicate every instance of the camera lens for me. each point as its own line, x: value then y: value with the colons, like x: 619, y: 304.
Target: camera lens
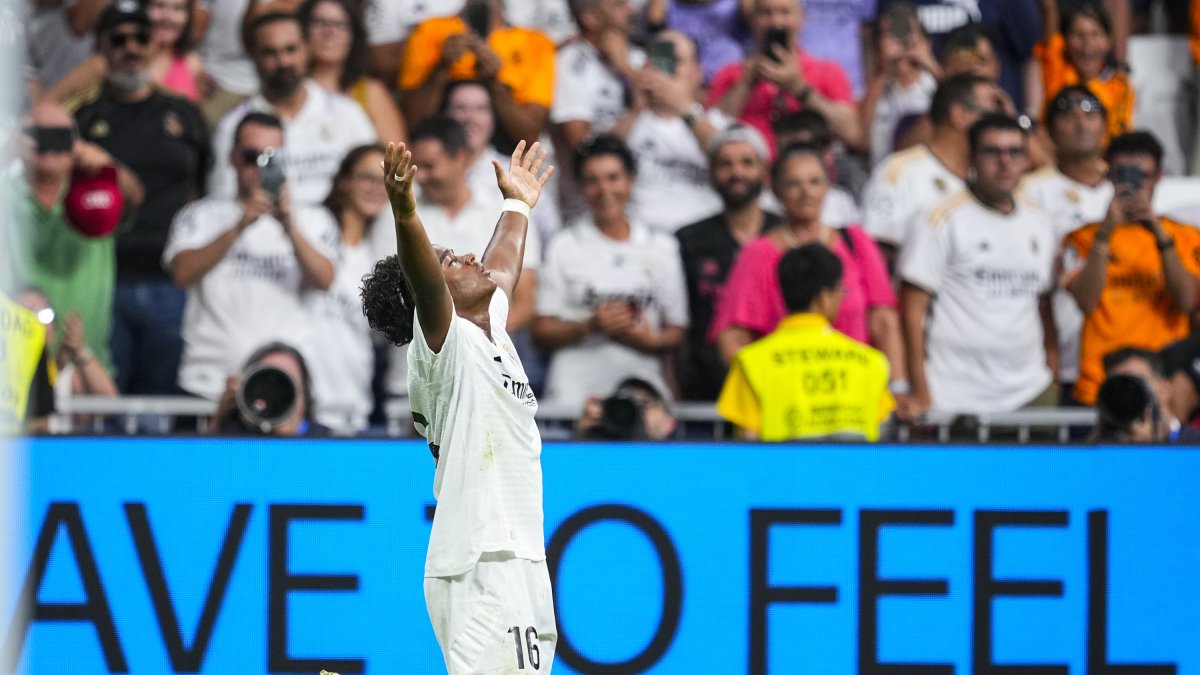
x: 266, y: 397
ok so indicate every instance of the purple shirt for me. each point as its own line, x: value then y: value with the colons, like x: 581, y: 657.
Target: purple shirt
x: 833, y: 31
x: 753, y: 300
x: 716, y: 28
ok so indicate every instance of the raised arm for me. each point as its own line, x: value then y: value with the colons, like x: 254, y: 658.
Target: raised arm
x: 417, y: 258
x: 523, y: 182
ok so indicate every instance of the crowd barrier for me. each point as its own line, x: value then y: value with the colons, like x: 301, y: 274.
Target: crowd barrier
x: 157, y: 556
x: 155, y: 414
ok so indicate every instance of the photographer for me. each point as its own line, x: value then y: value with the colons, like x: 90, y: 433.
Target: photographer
x: 635, y: 411
x: 1127, y: 412
x: 1133, y: 274
x: 270, y: 396
x: 245, y: 261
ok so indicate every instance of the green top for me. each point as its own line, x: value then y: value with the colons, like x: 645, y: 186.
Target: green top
x: 77, y: 272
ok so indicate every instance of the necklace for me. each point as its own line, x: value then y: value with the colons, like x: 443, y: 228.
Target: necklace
x: 792, y: 241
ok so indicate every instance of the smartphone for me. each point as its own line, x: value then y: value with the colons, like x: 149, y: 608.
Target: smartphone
x: 270, y: 172
x: 776, y: 36
x: 478, y: 16
x: 1128, y: 178
x: 662, y: 56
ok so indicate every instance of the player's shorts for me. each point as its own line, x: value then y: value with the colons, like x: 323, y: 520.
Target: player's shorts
x: 496, y: 618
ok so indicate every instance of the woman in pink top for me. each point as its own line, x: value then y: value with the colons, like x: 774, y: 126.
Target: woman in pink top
x: 751, y: 303
x: 174, y: 65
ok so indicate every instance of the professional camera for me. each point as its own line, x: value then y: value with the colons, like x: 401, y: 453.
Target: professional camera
x: 266, y: 398
x: 622, y: 418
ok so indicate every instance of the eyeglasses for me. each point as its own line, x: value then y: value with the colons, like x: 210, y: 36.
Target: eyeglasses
x: 119, y: 40
x: 1082, y: 103
x: 996, y: 152
x: 250, y: 155
x: 330, y: 24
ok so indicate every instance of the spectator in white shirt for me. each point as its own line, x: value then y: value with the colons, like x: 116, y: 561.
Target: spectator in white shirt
x: 343, y: 358
x: 612, y: 303
x: 977, y: 277
x: 245, y: 261
x: 903, y: 85
x: 668, y: 129
x: 322, y: 126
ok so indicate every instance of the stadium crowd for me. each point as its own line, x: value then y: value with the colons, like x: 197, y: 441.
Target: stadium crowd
x: 200, y: 193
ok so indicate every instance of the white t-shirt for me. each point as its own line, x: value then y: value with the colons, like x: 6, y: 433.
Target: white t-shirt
x: 249, y: 298
x: 473, y: 404
x: 470, y: 230
x: 584, y: 268
x: 224, y: 55
x: 902, y: 189
x: 1069, y: 205
x: 894, y: 105
x: 546, y: 219
x: 986, y: 271
x: 327, y: 127
x: 392, y: 20
x: 343, y: 357
x: 552, y: 17
x: 585, y: 88
x: 672, y: 187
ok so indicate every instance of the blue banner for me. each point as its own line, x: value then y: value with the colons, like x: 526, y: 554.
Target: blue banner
x: 227, y: 556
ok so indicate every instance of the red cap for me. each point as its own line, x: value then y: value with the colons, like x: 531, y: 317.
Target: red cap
x: 93, y: 205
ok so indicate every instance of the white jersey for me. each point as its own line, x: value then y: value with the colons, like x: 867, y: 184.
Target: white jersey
x: 470, y: 230
x: 249, y: 298
x: 343, y: 356
x: 901, y: 190
x: 473, y: 404
x: 224, y: 56
x: 584, y: 268
x: 586, y: 89
x: 671, y: 188
x: 1069, y: 205
x: 986, y: 271
x: 327, y: 127
x: 389, y: 21
x: 893, y: 106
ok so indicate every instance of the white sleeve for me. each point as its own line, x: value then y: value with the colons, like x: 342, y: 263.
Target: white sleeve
x: 923, y: 261
x: 222, y: 179
x: 194, y: 226
x: 386, y: 22
x: 885, y: 208
x: 672, y: 288
x: 572, y: 88
x: 552, y: 299
x: 318, y: 226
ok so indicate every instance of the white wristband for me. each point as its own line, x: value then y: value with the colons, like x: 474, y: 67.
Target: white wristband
x: 516, y: 206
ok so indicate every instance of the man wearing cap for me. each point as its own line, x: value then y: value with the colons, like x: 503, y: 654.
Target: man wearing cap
x: 1181, y: 365
x: 162, y: 139
x: 1073, y: 192
x: 1133, y: 274
x: 737, y: 167
x: 66, y: 204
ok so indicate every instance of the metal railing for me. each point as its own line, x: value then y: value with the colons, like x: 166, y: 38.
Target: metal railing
x: 157, y: 414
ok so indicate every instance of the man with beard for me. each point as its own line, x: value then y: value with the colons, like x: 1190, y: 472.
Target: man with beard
x: 320, y: 126
x: 162, y: 140
x: 737, y: 165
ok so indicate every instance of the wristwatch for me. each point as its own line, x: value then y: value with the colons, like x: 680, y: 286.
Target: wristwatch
x: 1165, y: 244
x: 899, y: 387
x: 693, y: 114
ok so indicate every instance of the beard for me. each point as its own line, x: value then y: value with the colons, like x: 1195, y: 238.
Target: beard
x: 735, y: 199
x: 129, y: 81
x: 283, y: 82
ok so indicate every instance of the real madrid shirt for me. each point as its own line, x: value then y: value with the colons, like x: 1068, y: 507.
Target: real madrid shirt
x: 327, y: 127
x: 472, y: 402
x: 902, y: 189
x: 1069, y: 205
x: 986, y: 271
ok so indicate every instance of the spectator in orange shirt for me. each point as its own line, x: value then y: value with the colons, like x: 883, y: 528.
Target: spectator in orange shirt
x: 516, y: 64
x: 1080, y: 51
x: 1133, y: 274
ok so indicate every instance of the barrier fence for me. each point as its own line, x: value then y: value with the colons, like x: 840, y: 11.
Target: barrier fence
x: 159, y: 556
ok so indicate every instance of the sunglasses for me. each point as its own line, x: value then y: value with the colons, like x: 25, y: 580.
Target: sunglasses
x: 50, y: 140
x: 250, y: 155
x: 119, y: 40
x: 1083, y: 103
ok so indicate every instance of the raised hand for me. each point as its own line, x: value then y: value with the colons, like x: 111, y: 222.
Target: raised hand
x: 398, y: 174
x: 525, y: 178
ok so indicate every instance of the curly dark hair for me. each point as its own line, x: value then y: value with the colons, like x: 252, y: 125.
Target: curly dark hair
x: 388, y: 301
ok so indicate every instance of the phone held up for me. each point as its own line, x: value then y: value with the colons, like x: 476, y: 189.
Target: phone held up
x: 663, y: 57
x: 270, y: 172
x: 776, y: 36
x: 478, y: 16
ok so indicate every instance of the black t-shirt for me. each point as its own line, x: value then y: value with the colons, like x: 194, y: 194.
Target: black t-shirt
x: 708, y: 251
x: 163, y: 140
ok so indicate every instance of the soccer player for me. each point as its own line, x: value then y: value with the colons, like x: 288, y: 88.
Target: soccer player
x: 487, y: 587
